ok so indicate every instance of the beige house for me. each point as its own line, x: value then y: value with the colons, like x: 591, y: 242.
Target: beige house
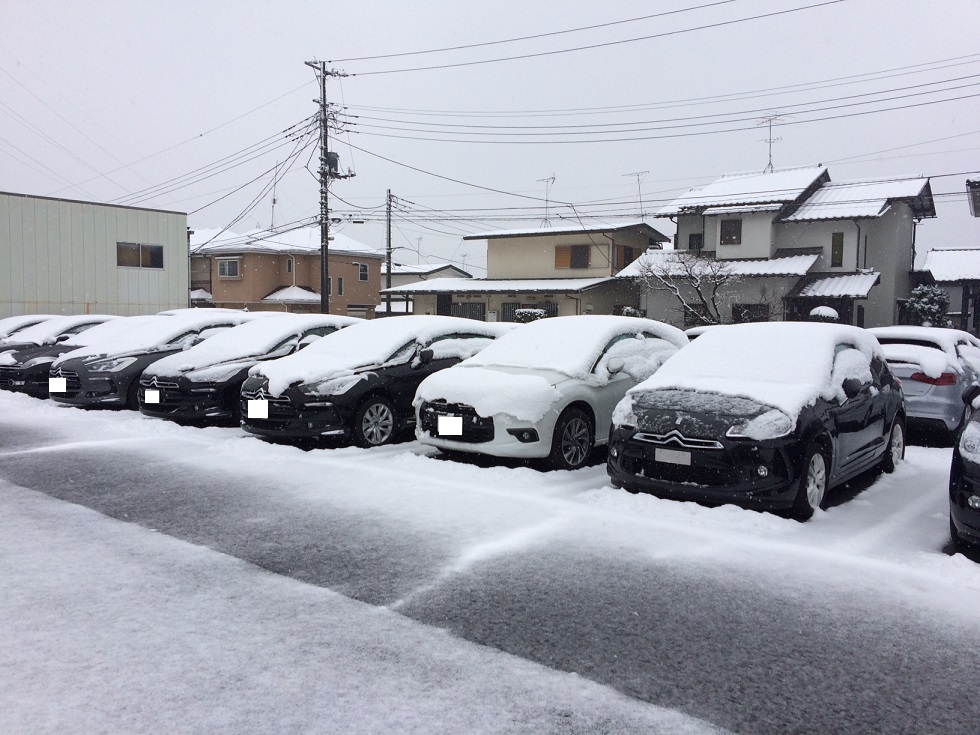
x: 563, y: 271
x: 281, y: 272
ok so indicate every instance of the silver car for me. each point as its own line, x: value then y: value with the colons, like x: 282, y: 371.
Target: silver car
x: 935, y: 366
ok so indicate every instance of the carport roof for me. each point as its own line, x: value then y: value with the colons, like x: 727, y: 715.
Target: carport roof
x: 494, y: 285
x: 853, y: 285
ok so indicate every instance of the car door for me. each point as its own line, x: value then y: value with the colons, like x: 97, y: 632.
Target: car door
x: 609, y: 387
x: 855, y: 417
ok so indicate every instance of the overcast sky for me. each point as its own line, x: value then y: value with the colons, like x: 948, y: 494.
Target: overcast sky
x: 136, y: 103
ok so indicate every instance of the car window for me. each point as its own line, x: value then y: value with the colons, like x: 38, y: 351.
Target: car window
x: 642, y: 354
x: 850, y: 362
x: 403, y: 352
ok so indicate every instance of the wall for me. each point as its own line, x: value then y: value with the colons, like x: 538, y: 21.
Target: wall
x: 819, y: 234
x: 665, y: 307
x: 59, y: 256
x: 534, y: 257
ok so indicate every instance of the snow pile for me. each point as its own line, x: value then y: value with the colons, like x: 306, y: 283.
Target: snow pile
x: 7, y: 358
x: 930, y: 360
x: 786, y: 365
x: 940, y: 337
x: 970, y: 442
x: 370, y: 344
x: 641, y: 357
x: 825, y: 312
x: 569, y: 344
x: 46, y: 332
x: 156, y: 332
x: 490, y: 391
x: 247, y: 342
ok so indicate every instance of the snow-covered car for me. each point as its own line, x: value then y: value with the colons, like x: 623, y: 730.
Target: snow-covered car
x: 50, y: 331
x: 770, y: 416
x: 204, y: 383
x: 547, y: 389
x: 936, y: 365
x: 12, y: 324
x: 27, y: 369
x: 359, y: 382
x: 105, y: 373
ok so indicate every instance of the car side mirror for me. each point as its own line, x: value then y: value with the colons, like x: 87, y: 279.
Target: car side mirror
x: 971, y: 394
x: 852, y: 386
x: 63, y: 338
x: 425, y: 356
x: 615, y: 365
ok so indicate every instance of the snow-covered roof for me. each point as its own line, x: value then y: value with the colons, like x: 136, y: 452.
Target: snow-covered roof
x: 856, y: 285
x: 402, y: 269
x: 572, y: 229
x: 948, y: 265
x: 787, y: 365
x: 364, y: 345
x: 666, y: 261
x: 293, y: 294
x: 943, y: 338
x: 303, y: 240
x: 780, y: 186
x: 742, y: 209
x: 494, y: 285
x: 397, y: 307
x: 863, y: 198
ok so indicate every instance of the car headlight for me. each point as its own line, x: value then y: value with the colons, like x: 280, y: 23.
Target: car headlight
x: 113, y: 365
x: 334, y: 387
x: 35, y: 361
x: 770, y: 425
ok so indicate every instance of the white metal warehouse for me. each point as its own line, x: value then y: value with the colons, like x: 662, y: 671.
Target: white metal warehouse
x: 61, y: 256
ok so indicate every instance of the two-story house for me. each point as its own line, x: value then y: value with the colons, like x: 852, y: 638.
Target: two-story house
x: 562, y: 270
x: 794, y: 240
x: 281, y: 272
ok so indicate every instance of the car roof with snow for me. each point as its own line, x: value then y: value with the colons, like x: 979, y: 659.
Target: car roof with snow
x: 368, y: 344
x: 49, y: 330
x: 569, y: 344
x: 12, y: 324
x: 249, y: 341
x: 941, y: 337
x: 783, y: 364
x: 154, y: 332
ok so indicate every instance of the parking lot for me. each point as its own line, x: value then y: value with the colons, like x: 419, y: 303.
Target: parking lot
x: 857, y: 620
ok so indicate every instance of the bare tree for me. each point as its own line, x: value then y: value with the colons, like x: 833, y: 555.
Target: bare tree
x: 697, y: 282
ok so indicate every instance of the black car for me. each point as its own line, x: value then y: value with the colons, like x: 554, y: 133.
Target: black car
x: 106, y: 374
x: 359, y: 382
x: 25, y: 368
x: 10, y: 325
x: 964, y: 477
x: 203, y: 384
x: 768, y: 416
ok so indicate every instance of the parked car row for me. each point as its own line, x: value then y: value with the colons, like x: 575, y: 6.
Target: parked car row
x: 771, y: 416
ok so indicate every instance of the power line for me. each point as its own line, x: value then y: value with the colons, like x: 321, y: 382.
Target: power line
x: 666, y: 34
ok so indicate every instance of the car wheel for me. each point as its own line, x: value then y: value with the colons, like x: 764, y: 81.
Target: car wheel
x: 133, y: 396
x: 374, y: 423
x: 895, y: 451
x: 572, y: 442
x: 813, y: 483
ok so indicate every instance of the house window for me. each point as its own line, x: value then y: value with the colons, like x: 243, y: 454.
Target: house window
x: 229, y: 268
x: 138, y: 255
x: 695, y: 241
x: 340, y: 285
x: 731, y: 232
x: 624, y: 255
x: 362, y: 271
x: 572, y: 256
x: 289, y: 265
x: 837, y: 250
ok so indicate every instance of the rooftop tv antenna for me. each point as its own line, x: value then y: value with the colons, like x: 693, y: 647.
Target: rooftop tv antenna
x: 639, y: 190
x: 548, y: 183
x: 769, y: 120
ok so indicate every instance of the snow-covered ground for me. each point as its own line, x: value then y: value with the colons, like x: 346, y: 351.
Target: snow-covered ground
x: 109, y: 626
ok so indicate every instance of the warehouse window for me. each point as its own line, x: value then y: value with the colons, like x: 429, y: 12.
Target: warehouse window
x: 138, y: 255
x: 229, y: 268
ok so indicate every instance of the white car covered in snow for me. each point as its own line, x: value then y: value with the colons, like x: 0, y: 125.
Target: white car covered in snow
x: 936, y: 366
x: 547, y: 389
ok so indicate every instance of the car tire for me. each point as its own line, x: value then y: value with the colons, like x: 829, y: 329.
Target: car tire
x: 573, y: 440
x: 895, y: 450
x: 375, y: 422
x: 954, y: 537
x: 814, y: 478
x: 133, y: 395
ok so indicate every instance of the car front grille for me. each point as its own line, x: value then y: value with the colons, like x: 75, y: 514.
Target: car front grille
x: 281, y: 408
x: 476, y: 429
x: 72, y: 381
x: 709, y: 467
x: 8, y: 375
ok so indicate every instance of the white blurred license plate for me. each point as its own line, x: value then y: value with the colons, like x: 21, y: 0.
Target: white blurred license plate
x: 57, y: 385
x: 151, y: 396
x: 672, y: 456
x: 450, y: 426
x: 258, y: 409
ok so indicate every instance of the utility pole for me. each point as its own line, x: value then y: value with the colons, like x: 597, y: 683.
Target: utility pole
x: 328, y: 170
x: 388, y: 257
